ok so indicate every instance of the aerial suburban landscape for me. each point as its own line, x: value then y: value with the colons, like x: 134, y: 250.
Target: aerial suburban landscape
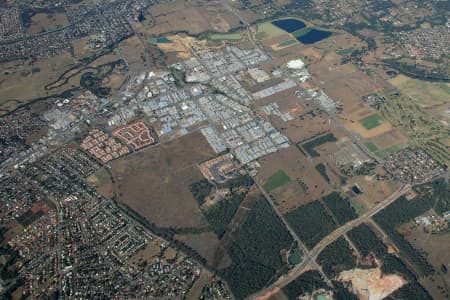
x: 225, y: 149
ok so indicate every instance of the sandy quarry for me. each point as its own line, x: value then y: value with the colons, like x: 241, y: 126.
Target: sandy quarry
x: 370, y: 285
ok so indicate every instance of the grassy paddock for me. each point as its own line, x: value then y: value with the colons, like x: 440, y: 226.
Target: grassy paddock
x: 277, y: 180
x: 268, y: 30
x: 225, y: 36
x: 372, y: 121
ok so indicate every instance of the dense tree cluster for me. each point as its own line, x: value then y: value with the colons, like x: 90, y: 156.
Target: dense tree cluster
x: 342, y: 293
x: 255, y: 250
x: 306, y: 283
x: 311, y: 223
x: 437, y: 194
x: 220, y: 215
x: 366, y: 241
x: 411, y: 291
x: 322, y: 169
x: 402, y: 211
x: 311, y: 145
x: 417, y: 72
x: 393, y: 265
x: 337, y: 257
x: 200, y: 190
x: 340, y: 207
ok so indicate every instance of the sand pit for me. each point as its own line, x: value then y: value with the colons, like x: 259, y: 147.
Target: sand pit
x: 369, y: 284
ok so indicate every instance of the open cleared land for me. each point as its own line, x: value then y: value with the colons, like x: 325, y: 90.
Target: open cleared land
x: 155, y: 182
x: 428, y: 94
x: 306, y: 183
x: 21, y: 81
x: 373, y: 190
x: 132, y: 49
x: 42, y: 22
x: 182, y: 16
x: 101, y: 181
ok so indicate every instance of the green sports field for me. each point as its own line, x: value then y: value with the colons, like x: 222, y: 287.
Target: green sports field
x: 276, y: 180
x: 371, y: 121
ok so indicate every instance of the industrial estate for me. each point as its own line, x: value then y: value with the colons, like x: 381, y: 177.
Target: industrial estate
x: 224, y: 149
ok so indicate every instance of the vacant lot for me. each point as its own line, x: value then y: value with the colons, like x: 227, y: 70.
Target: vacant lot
x: 151, y: 250
x: 101, y: 181
x: 371, y: 121
x: 155, y: 182
x: 306, y: 123
x: 277, y: 180
x: 47, y: 21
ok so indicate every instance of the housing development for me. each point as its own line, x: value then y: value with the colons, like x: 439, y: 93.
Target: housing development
x: 224, y: 150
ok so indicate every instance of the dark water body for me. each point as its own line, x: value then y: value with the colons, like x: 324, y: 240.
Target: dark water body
x: 289, y: 25
x: 313, y: 36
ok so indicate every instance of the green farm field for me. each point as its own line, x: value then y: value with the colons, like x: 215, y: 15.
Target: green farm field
x: 371, y: 121
x: 277, y: 180
x: 371, y: 146
x: 287, y: 43
x: 236, y: 36
x: 301, y: 32
x: 268, y: 30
